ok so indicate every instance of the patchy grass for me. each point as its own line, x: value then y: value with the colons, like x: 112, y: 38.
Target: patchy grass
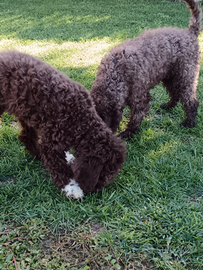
x: 151, y: 216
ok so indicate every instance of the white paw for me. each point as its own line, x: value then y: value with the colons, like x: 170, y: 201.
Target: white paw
x: 73, y: 190
x: 69, y: 157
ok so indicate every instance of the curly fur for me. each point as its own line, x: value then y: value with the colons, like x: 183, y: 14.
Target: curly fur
x: 57, y: 114
x: 125, y: 76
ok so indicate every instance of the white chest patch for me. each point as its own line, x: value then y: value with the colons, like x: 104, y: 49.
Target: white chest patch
x: 69, y: 157
x: 73, y: 190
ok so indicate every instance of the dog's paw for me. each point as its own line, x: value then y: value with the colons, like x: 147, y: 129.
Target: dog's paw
x: 164, y: 106
x: 72, y: 190
x: 188, y: 124
x: 69, y: 157
x: 127, y: 134
x: 168, y: 105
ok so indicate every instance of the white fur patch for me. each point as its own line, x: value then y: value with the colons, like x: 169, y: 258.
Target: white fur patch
x: 69, y: 157
x: 73, y: 190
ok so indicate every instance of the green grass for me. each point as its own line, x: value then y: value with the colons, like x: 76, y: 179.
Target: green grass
x: 151, y: 217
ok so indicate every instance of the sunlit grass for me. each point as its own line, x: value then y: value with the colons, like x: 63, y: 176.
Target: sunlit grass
x: 74, y: 54
x: 200, y: 38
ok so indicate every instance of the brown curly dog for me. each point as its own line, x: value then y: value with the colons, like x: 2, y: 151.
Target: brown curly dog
x: 57, y: 114
x: 125, y: 76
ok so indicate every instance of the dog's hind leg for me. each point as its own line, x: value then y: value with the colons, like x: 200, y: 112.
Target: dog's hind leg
x: 188, y: 99
x: 182, y: 87
x: 188, y: 95
x: 173, y: 91
x: 191, y: 113
x: 185, y: 92
x: 30, y: 139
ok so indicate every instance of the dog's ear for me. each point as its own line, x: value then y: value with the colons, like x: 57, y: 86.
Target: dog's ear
x: 113, y: 120
x: 87, y: 172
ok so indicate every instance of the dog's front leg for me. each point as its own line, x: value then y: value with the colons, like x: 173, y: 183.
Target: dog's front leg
x: 58, y: 163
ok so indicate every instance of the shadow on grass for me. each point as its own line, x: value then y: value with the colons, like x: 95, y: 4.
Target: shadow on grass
x: 65, y: 20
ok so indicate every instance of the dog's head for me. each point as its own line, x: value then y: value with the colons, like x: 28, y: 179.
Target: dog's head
x: 104, y: 103
x: 113, y: 163
x: 94, y: 172
x: 87, y: 171
x: 111, y: 117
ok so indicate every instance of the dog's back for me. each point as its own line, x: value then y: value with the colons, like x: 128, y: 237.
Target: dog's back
x: 27, y: 83
x: 22, y: 82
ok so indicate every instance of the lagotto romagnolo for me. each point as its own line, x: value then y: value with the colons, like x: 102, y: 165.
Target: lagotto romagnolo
x: 57, y: 114
x: 125, y: 76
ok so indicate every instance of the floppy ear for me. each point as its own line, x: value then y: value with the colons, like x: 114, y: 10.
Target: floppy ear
x: 87, y: 172
x: 116, y: 118
x: 113, y: 119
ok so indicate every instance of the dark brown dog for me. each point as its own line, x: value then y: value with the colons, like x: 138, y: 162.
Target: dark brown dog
x: 131, y: 69
x: 57, y: 114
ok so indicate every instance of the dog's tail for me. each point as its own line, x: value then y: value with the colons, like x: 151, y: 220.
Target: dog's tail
x: 196, y: 18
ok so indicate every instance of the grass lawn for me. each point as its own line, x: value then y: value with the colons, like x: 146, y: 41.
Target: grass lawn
x: 151, y: 217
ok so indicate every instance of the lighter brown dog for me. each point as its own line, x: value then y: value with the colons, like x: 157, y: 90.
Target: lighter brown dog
x: 131, y: 69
